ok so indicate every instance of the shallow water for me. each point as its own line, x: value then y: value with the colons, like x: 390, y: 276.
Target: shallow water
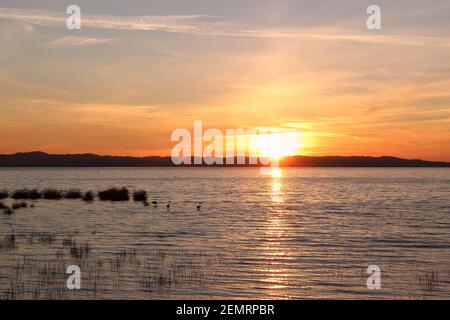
x: 300, y: 233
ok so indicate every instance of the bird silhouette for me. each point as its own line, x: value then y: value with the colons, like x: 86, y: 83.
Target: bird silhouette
x: 155, y: 203
x: 199, y: 206
x: 168, y: 205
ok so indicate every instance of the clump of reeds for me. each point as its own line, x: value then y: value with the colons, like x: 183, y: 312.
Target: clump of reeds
x: 73, y: 194
x: 35, y: 194
x: 52, y: 194
x: 4, y: 194
x: 19, y: 205
x: 32, y: 194
x: 88, y: 196
x: 68, y: 242
x: 79, y: 251
x: 8, y: 242
x: 430, y: 281
x: 140, y: 195
x: 121, y: 257
x: 45, y: 237
x: 114, y: 194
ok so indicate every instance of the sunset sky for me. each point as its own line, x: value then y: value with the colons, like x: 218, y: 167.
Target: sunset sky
x: 137, y: 70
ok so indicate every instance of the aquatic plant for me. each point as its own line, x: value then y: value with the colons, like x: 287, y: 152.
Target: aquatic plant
x: 73, y: 194
x: 4, y: 194
x: 35, y: 194
x: 88, y: 196
x: 52, y: 194
x: 8, y: 242
x: 79, y: 252
x: 429, y: 281
x: 32, y: 194
x: 114, y: 194
x: 68, y: 242
x: 45, y: 237
x: 140, y: 195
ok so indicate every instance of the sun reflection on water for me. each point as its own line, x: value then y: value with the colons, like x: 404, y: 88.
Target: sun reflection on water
x: 276, y: 192
x: 276, y: 173
x: 275, y: 276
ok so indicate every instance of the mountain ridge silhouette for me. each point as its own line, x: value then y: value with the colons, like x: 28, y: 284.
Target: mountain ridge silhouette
x: 43, y: 159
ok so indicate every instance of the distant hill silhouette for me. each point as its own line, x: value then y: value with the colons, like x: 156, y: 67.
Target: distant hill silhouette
x: 42, y: 159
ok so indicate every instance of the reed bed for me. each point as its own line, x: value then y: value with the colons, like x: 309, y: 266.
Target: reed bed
x: 114, y: 194
x: 88, y: 196
x: 73, y: 194
x: 8, y: 242
x: 52, y: 194
x: 110, y: 194
x: 26, y: 194
x: 103, y: 273
x: 79, y: 252
x: 140, y: 195
x: 44, y: 237
x: 4, y: 194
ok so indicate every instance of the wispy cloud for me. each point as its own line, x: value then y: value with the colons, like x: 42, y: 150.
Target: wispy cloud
x: 171, y: 23
x: 346, y: 35
x: 76, y: 42
x: 211, y: 25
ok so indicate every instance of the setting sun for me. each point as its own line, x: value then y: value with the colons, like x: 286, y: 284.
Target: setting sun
x: 276, y: 145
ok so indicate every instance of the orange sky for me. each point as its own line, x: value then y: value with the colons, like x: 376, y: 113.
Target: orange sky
x: 122, y: 89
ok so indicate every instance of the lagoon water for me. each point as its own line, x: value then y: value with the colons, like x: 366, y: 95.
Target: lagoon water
x: 298, y: 233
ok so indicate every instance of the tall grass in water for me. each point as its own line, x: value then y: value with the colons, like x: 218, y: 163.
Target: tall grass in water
x: 79, y: 252
x: 52, y: 194
x: 8, y: 242
x: 24, y: 194
x: 88, y: 196
x: 73, y: 194
x: 4, y: 194
x: 430, y: 281
x: 114, y: 194
x: 140, y: 195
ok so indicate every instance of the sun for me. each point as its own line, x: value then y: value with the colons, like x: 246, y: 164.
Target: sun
x: 276, y: 145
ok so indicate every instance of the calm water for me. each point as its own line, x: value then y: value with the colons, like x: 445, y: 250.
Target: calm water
x: 301, y: 233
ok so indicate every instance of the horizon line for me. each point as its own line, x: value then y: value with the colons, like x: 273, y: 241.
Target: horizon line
x: 234, y: 157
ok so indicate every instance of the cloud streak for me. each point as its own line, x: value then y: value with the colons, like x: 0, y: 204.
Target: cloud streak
x: 212, y: 26
x: 76, y: 42
x: 173, y: 23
